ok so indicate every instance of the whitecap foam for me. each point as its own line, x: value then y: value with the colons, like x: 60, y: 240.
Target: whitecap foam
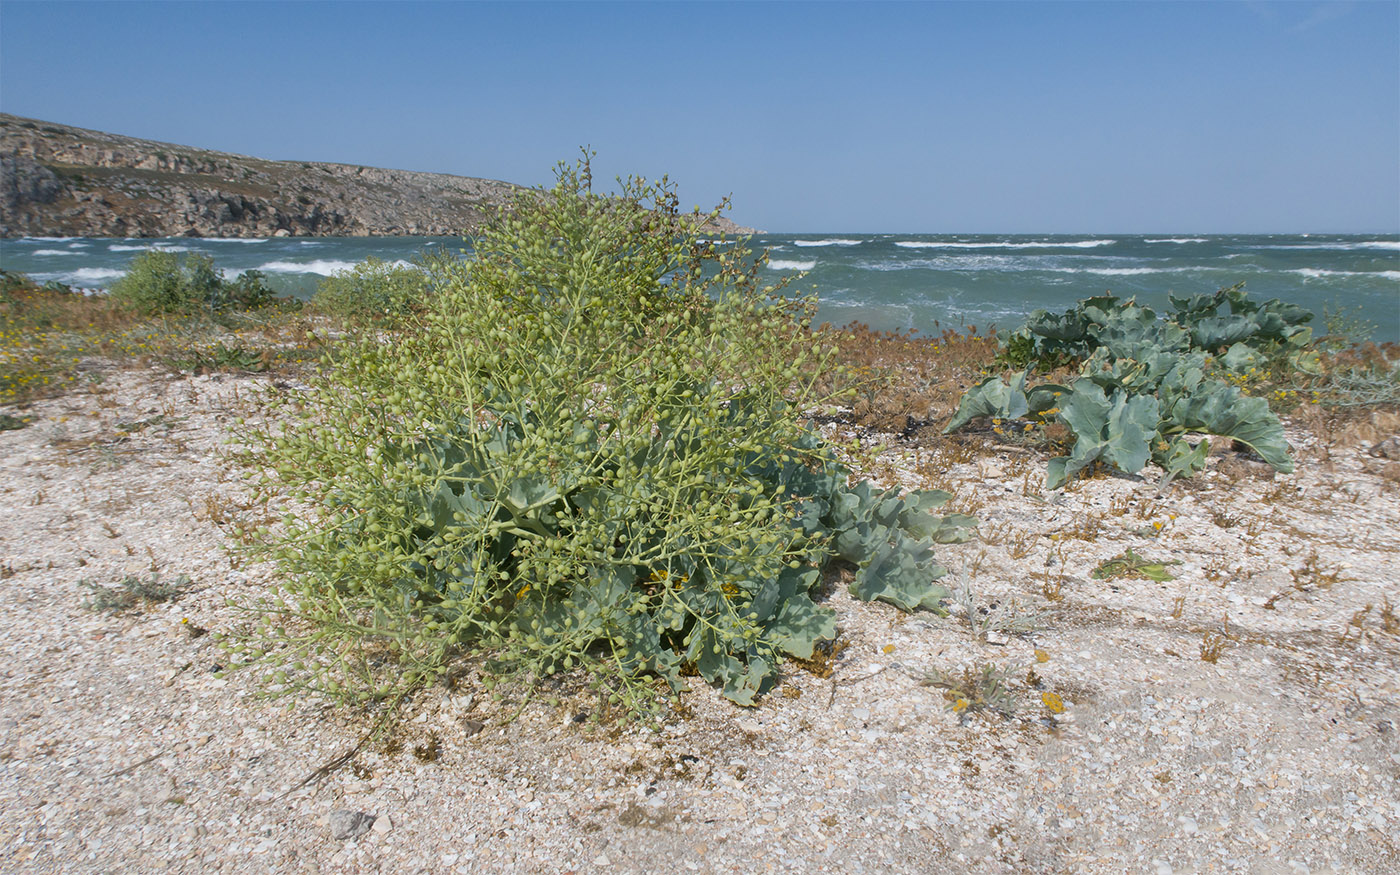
x: 957, y: 263
x: 1125, y: 271
x: 1178, y: 240
x: 786, y: 264
x: 47, y: 239
x: 150, y: 247
x: 1318, y: 273
x: 1392, y: 245
x: 82, y: 275
x: 54, y: 252
x: 837, y: 241
x: 1005, y: 244
x: 321, y: 266
x: 234, y: 239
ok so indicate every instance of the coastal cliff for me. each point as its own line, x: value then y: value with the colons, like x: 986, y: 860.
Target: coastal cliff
x: 61, y: 180
x: 58, y: 180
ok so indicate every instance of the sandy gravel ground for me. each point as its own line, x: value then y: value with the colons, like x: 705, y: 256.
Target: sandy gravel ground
x: 122, y: 751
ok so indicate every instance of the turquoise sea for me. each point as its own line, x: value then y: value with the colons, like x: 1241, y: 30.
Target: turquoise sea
x: 899, y: 282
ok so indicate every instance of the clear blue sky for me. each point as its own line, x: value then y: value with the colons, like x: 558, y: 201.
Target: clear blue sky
x: 938, y: 117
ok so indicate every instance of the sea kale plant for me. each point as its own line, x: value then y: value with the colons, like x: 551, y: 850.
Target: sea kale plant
x: 1145, y: 383
x: 590, y: 450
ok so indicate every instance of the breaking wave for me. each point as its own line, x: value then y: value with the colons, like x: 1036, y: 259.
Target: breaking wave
x: 785, y: 264
x: 324, y: 267
x: 152, y: 247
x: 1316, y: 273
x: 1344, y: 247
x: 82, y: 275
x: 321, y: 266
x: 1005, y: 244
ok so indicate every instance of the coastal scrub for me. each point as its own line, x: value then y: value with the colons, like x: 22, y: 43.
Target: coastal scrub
x: 591, y: 450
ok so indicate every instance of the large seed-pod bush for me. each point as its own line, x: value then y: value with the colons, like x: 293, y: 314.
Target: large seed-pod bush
x: 591, y: 451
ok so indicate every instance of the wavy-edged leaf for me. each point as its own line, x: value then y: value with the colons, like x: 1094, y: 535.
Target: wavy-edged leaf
x: 1043, y: 401
x: 1182, y: 458
x: 993, y: 397
x: 902, y: 572
x: 1218, y: 408
x: 1217, y: 332
x: 801, y: 625
x: 1240, y: 357
x: 741, y: 682
x: 1118, y: 429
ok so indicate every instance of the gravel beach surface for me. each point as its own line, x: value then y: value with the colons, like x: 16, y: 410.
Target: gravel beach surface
x: 1242, y: 716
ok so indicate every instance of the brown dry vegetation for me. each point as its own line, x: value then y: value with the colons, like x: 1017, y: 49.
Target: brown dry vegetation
x: 52, y: 341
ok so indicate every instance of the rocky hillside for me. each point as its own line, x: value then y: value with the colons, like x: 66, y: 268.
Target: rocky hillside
x: 57, y: 180
x: 61, y: 180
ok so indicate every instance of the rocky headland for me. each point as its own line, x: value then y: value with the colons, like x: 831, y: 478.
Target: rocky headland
x: 58, y: 180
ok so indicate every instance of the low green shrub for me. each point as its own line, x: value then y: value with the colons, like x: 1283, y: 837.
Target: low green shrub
x: 13, y: 281
x: 158, y: 282
x: 374, y: 290
x: 248, y: 291
x: 592, y: 451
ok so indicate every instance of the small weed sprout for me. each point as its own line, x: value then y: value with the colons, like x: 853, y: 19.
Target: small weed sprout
x: 1021, y: 544
x: 1130, y: 564
x: 1052, y: 582
x: 1389, y: 624
x: 983, y: 687
x: 1224, y: 519
x: 995, y: 534
x: 132, y: 592
x: 1357, y: 623
x: 988, y: 687
x: 1004, y: 618
x: 1312, y: 575
x: 1213, y: 646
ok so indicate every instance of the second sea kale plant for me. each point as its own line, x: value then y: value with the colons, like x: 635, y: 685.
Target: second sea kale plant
x: 1146, y: 383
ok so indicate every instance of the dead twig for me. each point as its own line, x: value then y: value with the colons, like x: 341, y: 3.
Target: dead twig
x: 831, y: 700
x: 133, y: 767
x: 330, y: 766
